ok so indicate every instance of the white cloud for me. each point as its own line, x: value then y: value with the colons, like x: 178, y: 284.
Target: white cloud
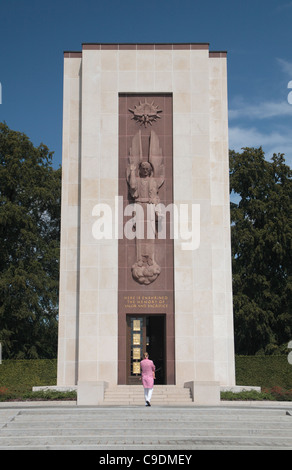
x: 271, y: 121
x: 270, y: 108
x: 285, y: 65
x: 274, y: 142
x: 262, y: 110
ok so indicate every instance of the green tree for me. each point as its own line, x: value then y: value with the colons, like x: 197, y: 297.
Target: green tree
x: 29, y: 247
x: 261, y: 248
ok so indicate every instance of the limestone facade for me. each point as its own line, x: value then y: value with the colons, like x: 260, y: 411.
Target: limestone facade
x: 88, y: 314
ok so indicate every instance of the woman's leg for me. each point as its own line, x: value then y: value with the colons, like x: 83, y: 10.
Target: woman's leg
x: 148, y: 395
x: 150, y: 391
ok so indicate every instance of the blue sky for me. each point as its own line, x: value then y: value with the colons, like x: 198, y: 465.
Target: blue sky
x: 257, y: 35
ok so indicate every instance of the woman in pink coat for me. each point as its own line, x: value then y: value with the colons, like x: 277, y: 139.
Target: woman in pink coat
x: 148, y: 376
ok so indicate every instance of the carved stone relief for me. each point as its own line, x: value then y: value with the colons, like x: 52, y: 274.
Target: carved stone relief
x: 144, y: 178
x: 145, y: 113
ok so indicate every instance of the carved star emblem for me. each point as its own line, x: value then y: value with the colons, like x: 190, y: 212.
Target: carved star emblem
x: 145, y: 113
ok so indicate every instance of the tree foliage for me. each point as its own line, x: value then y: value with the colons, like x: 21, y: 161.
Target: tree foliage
x: 30, y: 192
x: 261, y: 248
x: 29, y: 247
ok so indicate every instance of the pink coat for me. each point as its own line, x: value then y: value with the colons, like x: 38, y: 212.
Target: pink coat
x: 147, y: 369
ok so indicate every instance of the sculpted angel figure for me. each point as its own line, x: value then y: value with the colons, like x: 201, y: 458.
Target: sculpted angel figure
x: 144, y: 180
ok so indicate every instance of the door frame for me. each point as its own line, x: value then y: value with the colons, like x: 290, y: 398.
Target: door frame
x: 136, y: 344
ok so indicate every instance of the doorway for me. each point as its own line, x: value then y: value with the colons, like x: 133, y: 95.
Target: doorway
x: 145, y: 333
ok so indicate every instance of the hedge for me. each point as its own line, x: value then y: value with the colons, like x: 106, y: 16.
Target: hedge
x: 262, y: 371
x: 21, y: 375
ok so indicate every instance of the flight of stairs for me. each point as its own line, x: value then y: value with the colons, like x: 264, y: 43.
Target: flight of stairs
x: 134, y: 395
x: 49, y: 426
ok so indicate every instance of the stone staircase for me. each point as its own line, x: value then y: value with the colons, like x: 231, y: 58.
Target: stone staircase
x: 134, y: 395
x: 25, y: 426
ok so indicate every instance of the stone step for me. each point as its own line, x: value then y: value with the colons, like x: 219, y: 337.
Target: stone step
x: 131, y: 442
x: 107, y: 432
x: 138, y: 428
x: 146, y: 423
x: 134, y: 395
x: 182, y: 392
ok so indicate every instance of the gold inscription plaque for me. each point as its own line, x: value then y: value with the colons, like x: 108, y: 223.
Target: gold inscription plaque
x: 136, y: 368
x: 136, y: 353
x: 136, y: 339
x: 136, y: 325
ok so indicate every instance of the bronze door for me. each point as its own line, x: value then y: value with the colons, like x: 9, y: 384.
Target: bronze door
x: 136, y: 346
x: 145, y: 333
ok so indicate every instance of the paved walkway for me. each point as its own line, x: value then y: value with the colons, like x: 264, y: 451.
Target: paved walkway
x: 65, y: 426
